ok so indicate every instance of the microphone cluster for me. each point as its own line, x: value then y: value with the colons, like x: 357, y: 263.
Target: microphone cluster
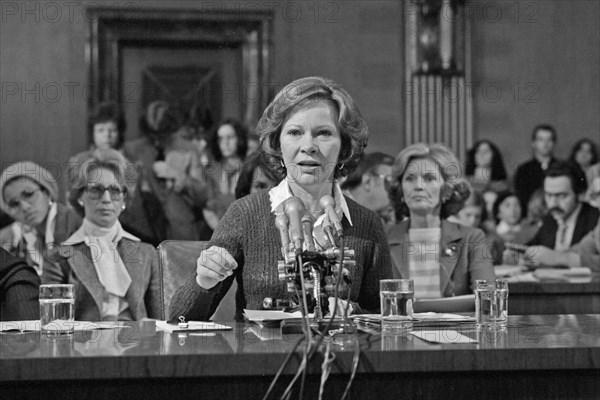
x: 305, y: 269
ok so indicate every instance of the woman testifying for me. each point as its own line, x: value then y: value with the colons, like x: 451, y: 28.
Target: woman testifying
x: 443, y: 258
x: 313, y: 133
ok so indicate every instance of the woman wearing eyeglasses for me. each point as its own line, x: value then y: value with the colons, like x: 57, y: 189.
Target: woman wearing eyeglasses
x: 116, y: 276
x: 29, y: 194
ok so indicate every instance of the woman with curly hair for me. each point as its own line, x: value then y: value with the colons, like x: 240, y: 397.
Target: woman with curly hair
x: 443, y: 258
x: 312, y: 133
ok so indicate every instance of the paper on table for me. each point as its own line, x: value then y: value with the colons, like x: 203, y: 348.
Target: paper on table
x: 270, y: 315
x: 192, y: 326
x: 443, y: 336
x: 34, y: 325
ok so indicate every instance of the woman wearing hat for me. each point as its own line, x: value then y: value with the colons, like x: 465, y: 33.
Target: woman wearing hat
x: 29, y: 194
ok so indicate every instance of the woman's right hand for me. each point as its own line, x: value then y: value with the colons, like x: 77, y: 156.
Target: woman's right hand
x: 214, y: 265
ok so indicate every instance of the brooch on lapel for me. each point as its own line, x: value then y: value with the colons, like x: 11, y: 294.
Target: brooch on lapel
x: 450, y: 251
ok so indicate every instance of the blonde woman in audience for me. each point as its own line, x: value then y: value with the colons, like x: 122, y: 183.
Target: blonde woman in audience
x: 30, y: 196
x: 116, y: 276
x: 443, y: 258
x: 313, y: 133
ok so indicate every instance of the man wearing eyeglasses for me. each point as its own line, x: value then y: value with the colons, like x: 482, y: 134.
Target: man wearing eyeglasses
x: 366, y: 185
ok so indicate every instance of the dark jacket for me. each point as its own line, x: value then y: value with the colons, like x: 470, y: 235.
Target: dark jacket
x: 19, y: 288
x: 586, y: 222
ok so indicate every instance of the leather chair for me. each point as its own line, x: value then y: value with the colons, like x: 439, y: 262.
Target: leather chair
x: 178, y: 262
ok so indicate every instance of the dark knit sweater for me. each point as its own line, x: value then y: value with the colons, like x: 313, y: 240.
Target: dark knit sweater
x: 19, y: 288
x: 248, y: 232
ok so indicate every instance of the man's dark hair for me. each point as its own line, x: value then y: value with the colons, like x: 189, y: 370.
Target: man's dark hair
x: 367, y: 165
x: 544, y: 127
x: 572, y: 171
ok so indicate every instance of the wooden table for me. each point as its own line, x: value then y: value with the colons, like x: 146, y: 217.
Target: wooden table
x: 554, y: 297
x: 536, y: 357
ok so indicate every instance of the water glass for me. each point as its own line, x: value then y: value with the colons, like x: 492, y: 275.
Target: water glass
x: 397, y: 296
x: 57, y: 309
x: 491, y: 303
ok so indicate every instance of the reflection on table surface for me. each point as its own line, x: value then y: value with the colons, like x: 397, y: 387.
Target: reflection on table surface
x: 142, y: 339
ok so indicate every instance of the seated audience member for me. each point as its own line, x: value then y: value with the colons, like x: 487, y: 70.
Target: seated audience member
x: 443, y: 258
x: 586, y: 253
x: 29, y: 196
x: 256, y: 175
x: 592, y: 195
x: 507, y: 213
x: 473, y: 214
x: 19, y: 289
x: 228, y: 145
x: 486, y: 172
x: 106, y: 130
x: 529, y: 176
x: 585, y: 154
x: 569, y: 219
x: 116, y: 276
x: 313, y: 133
x: 366, y: 185
x: 196, y: 127
x: 536, y: 211
x: 170, y: 170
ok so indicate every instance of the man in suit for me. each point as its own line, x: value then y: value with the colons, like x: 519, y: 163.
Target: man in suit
x: 586, y: 253
x: 530, y: 175
x: 19, y: 287
x: 569, y: 219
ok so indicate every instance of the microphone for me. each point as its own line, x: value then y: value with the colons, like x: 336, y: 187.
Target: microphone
x: 307, y: 229
x: 328, y: 203
x: 294, y: 209
x: 282, y: 223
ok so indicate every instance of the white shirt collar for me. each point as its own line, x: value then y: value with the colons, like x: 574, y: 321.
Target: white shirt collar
x: 79, y: 236
x: 282, y: 192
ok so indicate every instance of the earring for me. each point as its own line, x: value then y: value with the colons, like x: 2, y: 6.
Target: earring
x: 80, y: 202
x: 123, y: 207
x: 341, y: 167
x: 282, y: 164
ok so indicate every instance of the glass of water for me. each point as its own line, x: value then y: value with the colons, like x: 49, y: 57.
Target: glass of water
x: 491, y: 303
x: 57, y: 309
x: 397, y: 296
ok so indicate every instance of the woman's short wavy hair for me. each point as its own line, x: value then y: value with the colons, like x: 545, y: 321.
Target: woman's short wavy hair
x: 353, y: 128
x: 456, y: 189
x: 109, y: 159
